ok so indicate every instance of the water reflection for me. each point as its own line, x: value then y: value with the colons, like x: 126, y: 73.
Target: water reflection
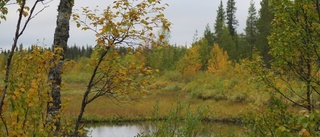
x: 133, y: 129
x: 120, y: 130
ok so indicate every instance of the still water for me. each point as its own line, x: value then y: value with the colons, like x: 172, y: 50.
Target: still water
x: 120, y: 130
x: 133, y: 129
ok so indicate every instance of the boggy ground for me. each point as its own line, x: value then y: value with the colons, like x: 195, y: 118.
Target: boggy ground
x: 109, y: 109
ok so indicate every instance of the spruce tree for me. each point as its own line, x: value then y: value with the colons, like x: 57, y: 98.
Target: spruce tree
x: 232, y: 22
x: 208, y: 35
x: 264, y: 28
x: 251, y: 28
x: 219, y: 23
x: 228, y: 44
x: 204, y: 50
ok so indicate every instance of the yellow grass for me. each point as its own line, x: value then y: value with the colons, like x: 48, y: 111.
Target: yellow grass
x: 109, y: 107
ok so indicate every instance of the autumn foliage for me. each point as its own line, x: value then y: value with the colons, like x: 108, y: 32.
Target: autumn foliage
x: 124, y: 65
x: 191, y: 62
x: 219, y: 60
x: 27, y: 97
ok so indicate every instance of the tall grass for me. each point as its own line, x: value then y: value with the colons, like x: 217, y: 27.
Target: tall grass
x: 183, y: 121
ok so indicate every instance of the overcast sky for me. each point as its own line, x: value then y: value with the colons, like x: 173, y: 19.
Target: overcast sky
x: 187, y: 16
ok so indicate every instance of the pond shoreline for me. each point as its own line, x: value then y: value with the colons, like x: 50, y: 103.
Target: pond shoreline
x: 96, y: 119
x: 155, y: 127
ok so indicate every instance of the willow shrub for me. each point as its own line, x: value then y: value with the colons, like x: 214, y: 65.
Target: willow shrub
x: 25, y: 107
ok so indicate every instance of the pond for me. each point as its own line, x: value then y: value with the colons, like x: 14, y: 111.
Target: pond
x: 133, y: 129
x: 120, y: 130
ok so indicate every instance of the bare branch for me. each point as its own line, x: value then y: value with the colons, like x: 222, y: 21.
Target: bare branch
x: 29, y: 18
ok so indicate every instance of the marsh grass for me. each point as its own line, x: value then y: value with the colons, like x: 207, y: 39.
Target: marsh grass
x: 165, y: 90
x: 229, y: 95
x: 185, y: 120
x: 107, y: 109
x: 80, y: 78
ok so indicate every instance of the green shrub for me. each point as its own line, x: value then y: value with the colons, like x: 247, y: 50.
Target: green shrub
x: 181, y: 122
x: 173, y: 76
x: 276, y: 120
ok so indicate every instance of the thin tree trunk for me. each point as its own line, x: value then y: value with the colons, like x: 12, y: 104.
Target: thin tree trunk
x: 18, y: 33
x: 61, y: 37
x: 8, y: 68
x: 86, y: 94
x: 309, y: 92
x: 83, y: 106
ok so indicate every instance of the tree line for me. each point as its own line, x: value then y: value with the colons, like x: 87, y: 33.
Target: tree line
x: 241, y: 45
x: 237, y: 45
x: 73, y: 52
